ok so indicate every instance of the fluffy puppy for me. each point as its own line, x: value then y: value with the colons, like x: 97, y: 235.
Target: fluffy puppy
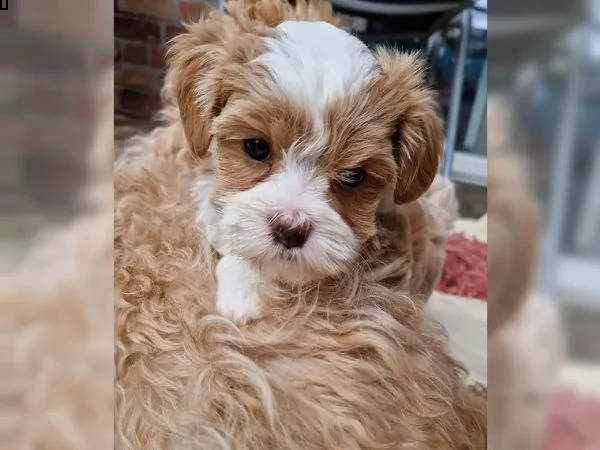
x: 525, y: 340
x: 308, y: 143
x: 341, y: 360
x: 349, y: 364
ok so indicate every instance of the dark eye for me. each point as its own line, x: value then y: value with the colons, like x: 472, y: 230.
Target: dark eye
x: 257, y: 149
x: 353, y: 177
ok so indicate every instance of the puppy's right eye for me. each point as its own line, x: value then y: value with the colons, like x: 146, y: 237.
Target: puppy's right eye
x: 257, y: 149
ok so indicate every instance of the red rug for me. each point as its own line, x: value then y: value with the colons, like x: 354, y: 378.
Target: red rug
x: 573, y: 423
x: 465, y: 269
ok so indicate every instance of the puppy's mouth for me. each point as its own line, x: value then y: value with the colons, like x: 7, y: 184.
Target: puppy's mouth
x: 290, y: 255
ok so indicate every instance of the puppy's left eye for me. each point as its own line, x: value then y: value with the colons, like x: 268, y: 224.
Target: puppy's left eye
x: 257, y: 149
x: 353, y: 177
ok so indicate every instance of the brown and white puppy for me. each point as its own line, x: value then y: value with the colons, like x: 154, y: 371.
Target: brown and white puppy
x: 348, y: 362
x: 311, y: 135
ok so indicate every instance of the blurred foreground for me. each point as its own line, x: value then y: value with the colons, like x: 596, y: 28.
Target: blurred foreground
x: 56, y: 326
x: 545, y: 67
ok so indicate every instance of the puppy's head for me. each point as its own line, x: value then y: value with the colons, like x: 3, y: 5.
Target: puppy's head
x: 309, y: 131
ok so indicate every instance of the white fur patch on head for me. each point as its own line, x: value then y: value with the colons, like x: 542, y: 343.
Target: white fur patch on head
x: 313, y: 62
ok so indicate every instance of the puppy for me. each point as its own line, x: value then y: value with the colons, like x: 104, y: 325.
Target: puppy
x: 310, y: 145
x: 296, y: 172
x: 525, y: 340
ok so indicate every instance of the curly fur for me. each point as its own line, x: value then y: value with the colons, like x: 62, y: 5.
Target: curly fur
x: 408, y: 251
x: 364, y: 370
x: 349, y: 363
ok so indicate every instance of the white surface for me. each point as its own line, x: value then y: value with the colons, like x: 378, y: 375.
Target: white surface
x: 465, y: 320
x: 583, y: 377
x: 472, y: 229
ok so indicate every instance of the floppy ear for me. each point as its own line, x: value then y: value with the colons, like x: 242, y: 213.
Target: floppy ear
x: 418, y: 138
x: 198, y: 66
x: 194, y: 64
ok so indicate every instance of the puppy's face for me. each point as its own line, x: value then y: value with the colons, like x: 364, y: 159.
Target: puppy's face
x: 309, y: 131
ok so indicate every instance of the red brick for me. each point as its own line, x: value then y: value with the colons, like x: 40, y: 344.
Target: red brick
x: 117, y: 96
x: 137, y: 77
x: 158, y: 9
x: 139, y: 103
x: 136, y: 30
x: 134, y: 53
x: 191, y: 12
x: 117, y: 53
x: 172, y: 30
x: 157, y: 57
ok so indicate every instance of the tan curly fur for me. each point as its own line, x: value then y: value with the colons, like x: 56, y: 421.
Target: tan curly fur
x: 349, y: 363
x: 409, y: 250
x: 364, y: 370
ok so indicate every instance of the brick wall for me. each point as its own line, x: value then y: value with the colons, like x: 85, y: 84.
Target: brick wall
x: 50, y: 59
x: 142, y: 27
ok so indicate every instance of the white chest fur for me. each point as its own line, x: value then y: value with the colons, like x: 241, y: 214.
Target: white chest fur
x: 237, y: 289
x: 237, y: 281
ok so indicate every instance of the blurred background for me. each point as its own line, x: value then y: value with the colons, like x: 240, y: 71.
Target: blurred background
x: 548, y: 67
x: 545, y: 64
x: 51, y: 54
x: 56, y: 325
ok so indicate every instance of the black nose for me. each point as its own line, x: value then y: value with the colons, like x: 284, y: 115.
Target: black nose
x: 290, y: 236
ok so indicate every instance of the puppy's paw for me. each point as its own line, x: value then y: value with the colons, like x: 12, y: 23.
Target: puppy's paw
x: 237, y: 289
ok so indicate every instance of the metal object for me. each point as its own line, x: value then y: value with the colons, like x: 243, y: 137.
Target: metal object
x: 469, y: 168
x: 589, y: 218
x: 393, y: 9
x: 456, y: 93
x: 562, y: 168
x: 478, y: 120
